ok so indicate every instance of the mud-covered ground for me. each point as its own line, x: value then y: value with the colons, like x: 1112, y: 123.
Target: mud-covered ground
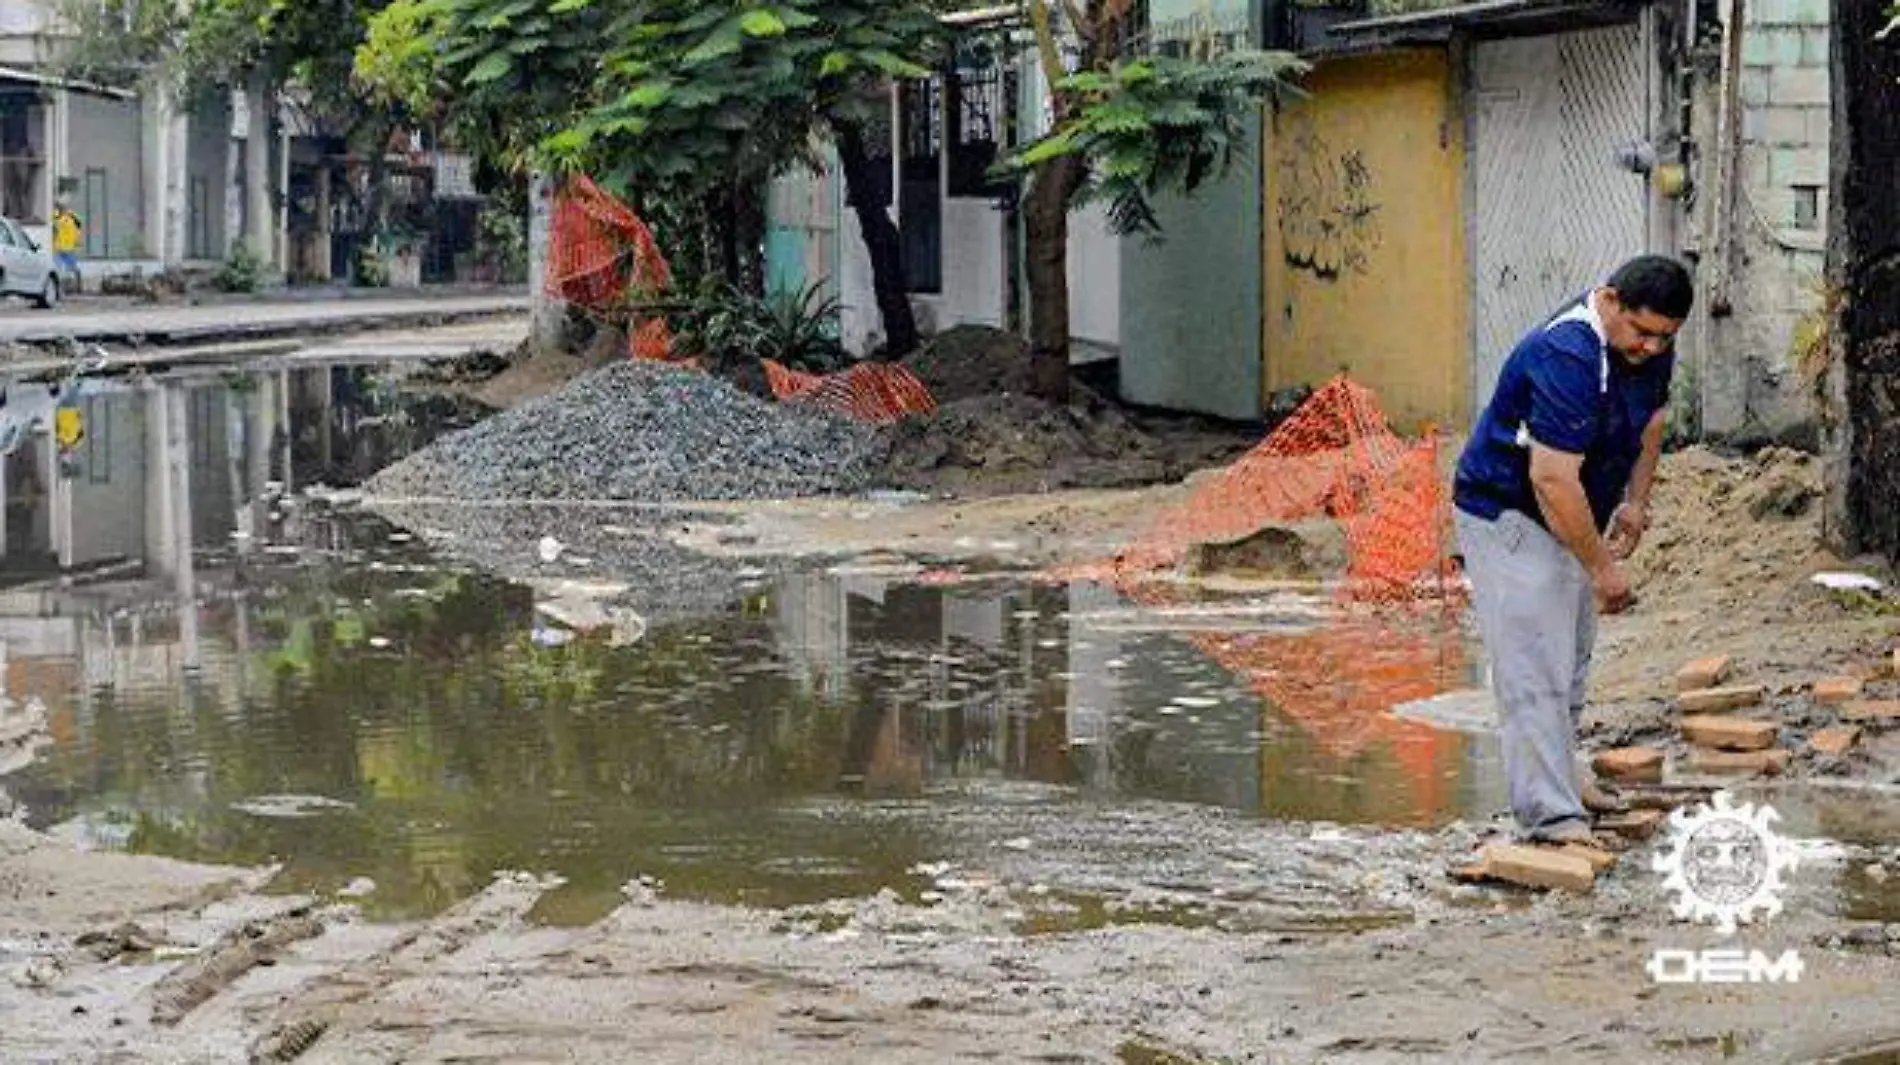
x: 1052, y: 932
x: 1054, y: 927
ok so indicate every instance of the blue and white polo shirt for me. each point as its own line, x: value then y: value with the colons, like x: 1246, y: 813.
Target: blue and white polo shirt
x: 1563, y: 387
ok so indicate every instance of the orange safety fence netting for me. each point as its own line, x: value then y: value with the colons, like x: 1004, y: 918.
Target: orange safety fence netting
x: 879, y: 393
x: 1336, y: 458
x: 600, y: 250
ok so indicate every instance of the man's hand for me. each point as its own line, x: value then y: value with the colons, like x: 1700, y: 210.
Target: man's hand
x: 1627, y: 527
x: 1554, y: 476
x: 1613, y: 589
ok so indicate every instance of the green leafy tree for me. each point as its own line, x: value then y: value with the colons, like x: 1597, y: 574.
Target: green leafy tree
x: 1127, y: 129
x: 693, y: 106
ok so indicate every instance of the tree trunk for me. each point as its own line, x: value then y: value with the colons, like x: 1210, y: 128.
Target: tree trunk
x: 748, y: 223
x: 1046, y: 232
x: 727, y: 218
x: 1863, y: 424
x: 547, y: 316
x: 881, y: 239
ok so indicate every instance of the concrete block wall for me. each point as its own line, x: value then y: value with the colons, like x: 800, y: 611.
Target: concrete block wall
x: 1753, y: 390
x: 105, y: 155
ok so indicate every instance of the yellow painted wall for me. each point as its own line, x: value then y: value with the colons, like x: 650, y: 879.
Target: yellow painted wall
x: 1365, y: 237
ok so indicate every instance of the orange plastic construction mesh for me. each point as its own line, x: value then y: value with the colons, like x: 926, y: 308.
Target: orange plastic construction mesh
x: 598, y: 251
x: 1336, y: 458
x: 879, y: 393
x: 1335, y: 683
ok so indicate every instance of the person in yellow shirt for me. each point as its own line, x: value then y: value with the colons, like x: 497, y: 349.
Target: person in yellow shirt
x: 66, y: 230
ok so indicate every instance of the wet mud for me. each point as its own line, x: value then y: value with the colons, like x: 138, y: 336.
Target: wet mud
x: 337, y: 781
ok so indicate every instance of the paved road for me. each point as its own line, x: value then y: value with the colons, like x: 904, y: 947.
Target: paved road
x: 174, y: 324
x: 498, y: 335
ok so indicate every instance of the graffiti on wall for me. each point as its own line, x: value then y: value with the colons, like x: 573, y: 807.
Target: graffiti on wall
x: 1329, y: 224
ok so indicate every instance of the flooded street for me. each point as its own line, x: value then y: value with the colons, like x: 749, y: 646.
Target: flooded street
x: 549, y: 778
x: 359, y: 711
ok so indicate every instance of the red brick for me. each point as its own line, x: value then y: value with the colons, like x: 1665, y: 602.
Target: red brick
x: 1716, y: 700
x: 1835, y: 741
x: 1539, y: 867
x: 1730, y: 733
x: 1836, y: 690
x: 1753, y: 763
x: 1871, y: 710
x: 1601, y: 861
x: 1702, y: 673
x: 1630, y: 764
x: 1633, y: 824
x: 1666, y: 799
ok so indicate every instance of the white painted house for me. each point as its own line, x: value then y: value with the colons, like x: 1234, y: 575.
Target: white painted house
x: 150, y: 183
x: 159, y: 184
x: 961, y: 233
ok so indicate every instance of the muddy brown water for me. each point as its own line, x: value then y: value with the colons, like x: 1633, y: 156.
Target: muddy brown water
x: 373, y: 715
x: 342, y: 702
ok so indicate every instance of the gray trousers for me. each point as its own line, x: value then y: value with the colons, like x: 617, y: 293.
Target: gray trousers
x: 1537, y: 614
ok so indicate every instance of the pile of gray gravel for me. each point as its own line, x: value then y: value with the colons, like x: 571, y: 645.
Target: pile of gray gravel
x: 641, y: 432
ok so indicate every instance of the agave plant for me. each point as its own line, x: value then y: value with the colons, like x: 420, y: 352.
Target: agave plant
x: 796, y: 329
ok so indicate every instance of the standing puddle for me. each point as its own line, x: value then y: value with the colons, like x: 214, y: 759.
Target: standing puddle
x: 375, y: 720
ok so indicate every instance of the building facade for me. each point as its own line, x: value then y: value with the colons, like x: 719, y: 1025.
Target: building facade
x: 162, y: 184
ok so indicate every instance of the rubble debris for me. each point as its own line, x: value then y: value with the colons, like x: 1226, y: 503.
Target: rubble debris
x: 1716, y: 700
x: 1751, y: 763
x: 126, y: 938
x: 1721, y: 733
x: 1836, y: 690
x: 1630, y: 764
x: 966, y: 361
x: 1703, y: 673
x: 1835, y: 740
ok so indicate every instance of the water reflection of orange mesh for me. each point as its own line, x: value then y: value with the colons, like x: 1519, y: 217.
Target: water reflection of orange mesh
x: 879, y: 393
x: 1337, y: 458
x: 1338, y: 683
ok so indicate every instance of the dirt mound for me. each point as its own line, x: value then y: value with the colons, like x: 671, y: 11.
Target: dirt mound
x: 1726, y: 569
x: 1731, y: 528
x: 969, y: 361
x: 994, y: 444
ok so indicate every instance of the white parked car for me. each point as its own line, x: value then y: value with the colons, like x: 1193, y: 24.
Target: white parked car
x: 26, y: 268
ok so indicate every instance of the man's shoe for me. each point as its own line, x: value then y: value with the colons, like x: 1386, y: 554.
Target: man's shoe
x: 1599, y: 800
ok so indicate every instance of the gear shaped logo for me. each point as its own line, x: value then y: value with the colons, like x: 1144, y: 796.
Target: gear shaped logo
x: 1725, y: 863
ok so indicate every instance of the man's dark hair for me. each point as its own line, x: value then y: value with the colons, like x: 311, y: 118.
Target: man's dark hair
x: 1655, y: 283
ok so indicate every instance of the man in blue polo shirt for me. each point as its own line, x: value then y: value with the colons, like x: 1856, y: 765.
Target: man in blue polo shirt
x: 1552, y: 492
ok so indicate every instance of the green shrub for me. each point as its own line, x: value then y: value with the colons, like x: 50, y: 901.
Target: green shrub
x: 372, y: 269
x: 798, y: 330
x: 243, y: 271
x: 504, y: 241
